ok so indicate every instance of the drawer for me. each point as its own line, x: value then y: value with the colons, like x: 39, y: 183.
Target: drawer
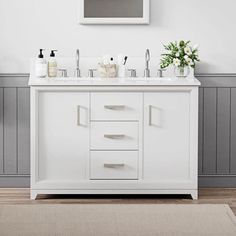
x: 114, y: 165
x: 114, y: 136
x: 116, y: 106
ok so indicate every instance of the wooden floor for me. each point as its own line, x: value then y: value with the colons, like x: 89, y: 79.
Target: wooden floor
x: 206, y: 196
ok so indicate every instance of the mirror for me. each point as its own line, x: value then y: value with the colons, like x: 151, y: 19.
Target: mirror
x: 114, y: 12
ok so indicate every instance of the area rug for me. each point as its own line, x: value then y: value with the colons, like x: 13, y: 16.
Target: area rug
x: 117, y: 220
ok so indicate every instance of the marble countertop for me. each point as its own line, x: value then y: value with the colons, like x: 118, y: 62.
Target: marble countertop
x: 72, y: 81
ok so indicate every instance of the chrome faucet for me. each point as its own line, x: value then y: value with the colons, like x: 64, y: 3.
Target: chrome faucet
x: 77, y: 63
x: 147, y: 59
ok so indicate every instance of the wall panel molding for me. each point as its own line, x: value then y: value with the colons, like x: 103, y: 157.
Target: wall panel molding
x: 14, y: 130
x: 217, y: 130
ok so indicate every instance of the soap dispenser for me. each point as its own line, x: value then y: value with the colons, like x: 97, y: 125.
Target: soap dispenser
x: 52, y: 64
x: 41, y: 65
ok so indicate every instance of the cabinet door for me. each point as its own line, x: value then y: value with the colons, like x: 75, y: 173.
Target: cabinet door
x: 63, y: 136
x: 167, y: 137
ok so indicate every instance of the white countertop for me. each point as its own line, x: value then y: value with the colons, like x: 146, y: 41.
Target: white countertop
x: 71, y: 81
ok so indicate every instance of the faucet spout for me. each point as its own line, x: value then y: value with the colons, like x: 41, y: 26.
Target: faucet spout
x: 77, y: 63
x: 147, y: 60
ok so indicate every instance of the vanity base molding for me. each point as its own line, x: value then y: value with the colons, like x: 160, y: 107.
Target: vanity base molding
x: 193, y: 193
x: 114, y: 139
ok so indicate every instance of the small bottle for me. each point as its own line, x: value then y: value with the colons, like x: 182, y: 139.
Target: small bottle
x: 52, y: 65
x: 41, y: 65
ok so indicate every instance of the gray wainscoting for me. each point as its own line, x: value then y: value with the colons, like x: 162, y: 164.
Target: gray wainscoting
x: 14, y: 131
x: 217, y: 130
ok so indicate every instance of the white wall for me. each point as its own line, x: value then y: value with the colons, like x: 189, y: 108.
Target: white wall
x: 26, y: 25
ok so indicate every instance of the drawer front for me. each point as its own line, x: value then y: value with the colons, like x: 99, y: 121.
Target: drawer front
x: 116, y: 106
x: 112, y: 165
x: 114, y: 136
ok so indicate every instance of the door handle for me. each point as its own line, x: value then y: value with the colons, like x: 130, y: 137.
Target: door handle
x: 155, y: 116
x: 79, y: 108
x: 118, y: 165
x: 150, y: 115
x: 78, y: 115
x: 114, y: 136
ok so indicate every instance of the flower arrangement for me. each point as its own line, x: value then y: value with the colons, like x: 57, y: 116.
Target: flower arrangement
x: 180, y: 54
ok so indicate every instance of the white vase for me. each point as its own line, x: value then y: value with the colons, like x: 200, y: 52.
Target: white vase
x: 182, y: 71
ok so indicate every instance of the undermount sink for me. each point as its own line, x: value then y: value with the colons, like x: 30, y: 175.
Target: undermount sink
x: 114, y: 79
x: 153, y: 79
x: 77, y: 79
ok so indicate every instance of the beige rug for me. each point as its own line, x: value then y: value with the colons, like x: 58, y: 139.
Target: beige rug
x: 117, y: 220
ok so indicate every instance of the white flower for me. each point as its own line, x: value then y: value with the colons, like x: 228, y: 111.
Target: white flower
x: 186, y: 57
x: 189, y: 61
x: 176, y: 62
x: 177, y: 54
x: 188, y: 51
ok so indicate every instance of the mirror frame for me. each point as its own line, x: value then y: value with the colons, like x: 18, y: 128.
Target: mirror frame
x: 108, y: 20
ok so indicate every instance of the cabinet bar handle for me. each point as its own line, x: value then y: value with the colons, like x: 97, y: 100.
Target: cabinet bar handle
x: 114, y: 107
x: 150, y: 115
x: 106, y: 165
x: 114, y: 136
x: 78, y: 115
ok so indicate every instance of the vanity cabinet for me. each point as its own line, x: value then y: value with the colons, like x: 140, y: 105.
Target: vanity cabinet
x: 168, y: 155
x: 114, y: 139
x: 60, y: 138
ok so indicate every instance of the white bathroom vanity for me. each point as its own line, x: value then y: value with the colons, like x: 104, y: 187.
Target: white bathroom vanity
x: 103, y: 136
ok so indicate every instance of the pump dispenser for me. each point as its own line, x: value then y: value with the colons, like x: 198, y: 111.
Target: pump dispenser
x: 41, y: 65
x: 52, y: 64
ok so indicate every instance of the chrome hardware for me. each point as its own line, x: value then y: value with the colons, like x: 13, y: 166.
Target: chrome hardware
x: 78, y: 115
x: 106, y: 165
x: 132, y: 73
x: 63, y: 72
x: 160, y: 73
x: 147, y: 60
x: 114, y: 136
x: 114, y: 107
x: 91, y: 73
x: 150, y: 115
x: 77, y: 72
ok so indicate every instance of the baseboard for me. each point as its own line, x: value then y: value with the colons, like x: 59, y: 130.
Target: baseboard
x: 204, y: 181
x: 14, y: 181
x: 217, y: 181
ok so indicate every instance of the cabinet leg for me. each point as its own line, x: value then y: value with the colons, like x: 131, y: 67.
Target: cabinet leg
x: 194, y: 194
x: 33, y: 194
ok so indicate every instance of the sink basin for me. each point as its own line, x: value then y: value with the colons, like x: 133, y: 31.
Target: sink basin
x: 113, y: 79
x: 153, y: 79
x: 76, y: 79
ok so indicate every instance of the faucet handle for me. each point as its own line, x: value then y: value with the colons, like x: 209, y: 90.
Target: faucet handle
x: 160, y: 72
x: 132, y: 73
x: 63, y: 72
x: 91, y: 73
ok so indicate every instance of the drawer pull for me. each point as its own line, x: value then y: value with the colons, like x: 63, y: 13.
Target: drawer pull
x: 120, y: 165
x: 114, y: 107
x: 114, y: 136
